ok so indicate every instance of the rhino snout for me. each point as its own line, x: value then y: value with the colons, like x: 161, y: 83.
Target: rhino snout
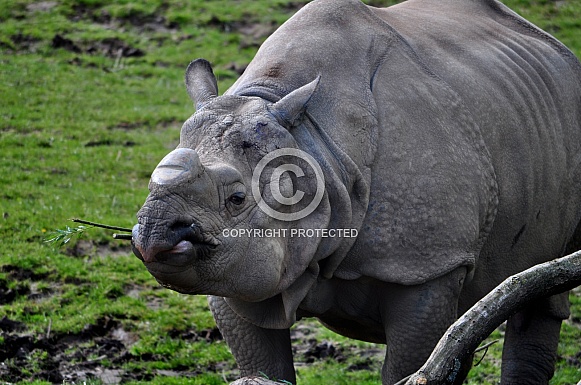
x: 181, y: 244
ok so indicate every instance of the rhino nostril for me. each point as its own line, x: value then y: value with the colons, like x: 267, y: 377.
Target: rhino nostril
x: 179, y: 225
x: 187, y: 231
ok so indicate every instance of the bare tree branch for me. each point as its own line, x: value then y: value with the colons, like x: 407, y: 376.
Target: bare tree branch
x: 464, y: 336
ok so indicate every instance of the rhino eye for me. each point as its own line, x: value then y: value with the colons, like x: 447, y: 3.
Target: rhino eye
x: 237, y: 198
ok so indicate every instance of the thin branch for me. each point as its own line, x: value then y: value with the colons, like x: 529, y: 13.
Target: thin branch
x: 483, y: 347
x: 403, y: 380
x: 77, y: 220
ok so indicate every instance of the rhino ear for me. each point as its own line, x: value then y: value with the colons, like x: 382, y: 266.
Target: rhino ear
x: 290, y: 110
x: 200, y: 82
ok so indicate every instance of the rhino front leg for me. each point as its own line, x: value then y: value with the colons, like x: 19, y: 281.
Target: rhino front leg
x: 256, y: 350
x: 415, y: 318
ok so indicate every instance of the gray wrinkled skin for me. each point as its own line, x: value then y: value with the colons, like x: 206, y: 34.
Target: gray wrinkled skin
x: 449, y: 135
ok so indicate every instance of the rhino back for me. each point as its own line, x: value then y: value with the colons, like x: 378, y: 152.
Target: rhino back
x: 522, y: 87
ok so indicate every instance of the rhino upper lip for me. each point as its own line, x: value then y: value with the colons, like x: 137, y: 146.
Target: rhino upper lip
x: 203, y: 240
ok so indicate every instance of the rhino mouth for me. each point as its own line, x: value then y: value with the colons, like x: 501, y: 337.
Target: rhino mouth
x: 186, y: 249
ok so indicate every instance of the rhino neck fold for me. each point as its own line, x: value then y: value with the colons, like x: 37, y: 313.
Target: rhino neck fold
x: 347, y: 188
x: 270, y: 92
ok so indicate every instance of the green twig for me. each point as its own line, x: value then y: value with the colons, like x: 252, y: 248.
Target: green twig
x: 93, y: 224
x: 62, y: 237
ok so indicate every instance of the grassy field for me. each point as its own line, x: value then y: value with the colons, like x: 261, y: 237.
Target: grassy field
x: 91, y: 98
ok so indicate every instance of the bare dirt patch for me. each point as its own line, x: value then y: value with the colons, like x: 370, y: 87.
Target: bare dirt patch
x: 89, y: 248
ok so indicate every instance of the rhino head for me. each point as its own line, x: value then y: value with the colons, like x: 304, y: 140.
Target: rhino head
x: 201, y: 230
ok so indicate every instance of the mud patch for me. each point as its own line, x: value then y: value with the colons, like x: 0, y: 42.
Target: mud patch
x: 128, y: 126
x: 22, y: 43
x: 8, y: 294
x: 308, y: 349
x: 319, y: 351
x: 143, y: 22
x: 66, y: 357
x: 19, y: 274
x: 41, y: 6
x: 114, y: 47
x: 111, y: 47
x: 87, y: 248
x: 208, y: 335
x: 58, y: 41
x: 7, y: 325
x: 109, y: 142
x: 21, y: 282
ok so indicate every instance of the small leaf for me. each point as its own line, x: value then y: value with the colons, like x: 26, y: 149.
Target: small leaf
x: 61, y: 237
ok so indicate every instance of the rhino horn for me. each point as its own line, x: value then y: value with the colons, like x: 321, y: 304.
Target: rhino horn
x: 200, y: 82
x: 290, y: 109
x: 180, y: 165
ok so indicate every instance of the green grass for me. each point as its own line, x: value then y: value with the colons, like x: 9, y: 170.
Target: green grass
x: 330, y: 372
x: 80, y: 133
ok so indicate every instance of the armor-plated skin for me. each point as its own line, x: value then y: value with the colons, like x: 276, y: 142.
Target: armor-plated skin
x: 449, y: 136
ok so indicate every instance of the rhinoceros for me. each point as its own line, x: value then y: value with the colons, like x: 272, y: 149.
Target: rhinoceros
x: 440, y: 142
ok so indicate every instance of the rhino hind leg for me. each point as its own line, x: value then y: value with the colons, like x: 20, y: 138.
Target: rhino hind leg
x: 257, y: 351
x: 575, y: 242
x: 531, y: 340
x: 415, y: 317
